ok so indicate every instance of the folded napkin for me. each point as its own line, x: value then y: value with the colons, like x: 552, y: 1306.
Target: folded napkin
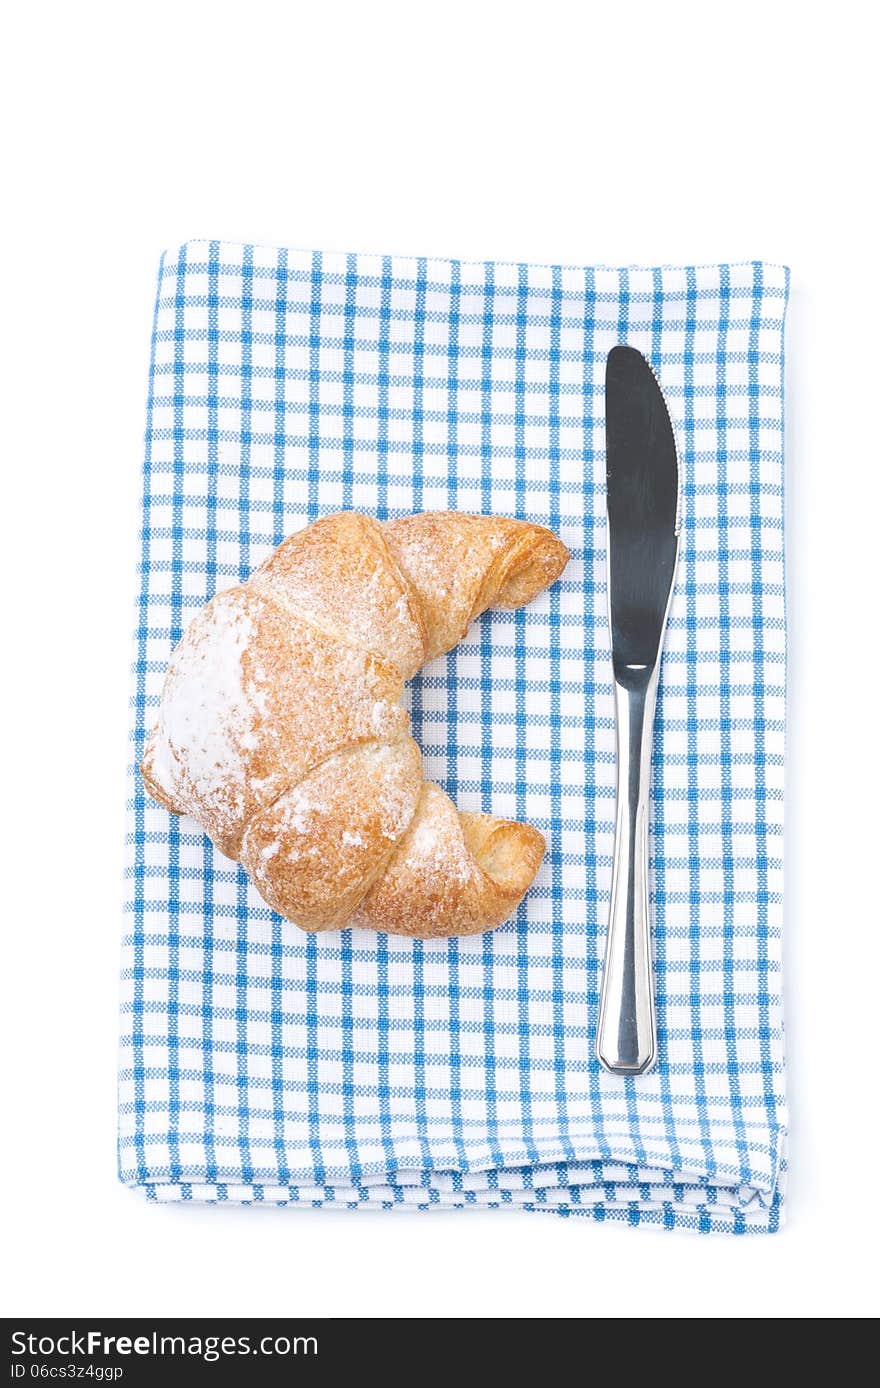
x: 262, y: 1064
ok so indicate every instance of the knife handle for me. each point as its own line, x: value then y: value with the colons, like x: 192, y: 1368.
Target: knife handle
x: 626, y: 1041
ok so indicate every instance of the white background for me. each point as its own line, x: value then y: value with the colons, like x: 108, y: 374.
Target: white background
x: 620, y: 133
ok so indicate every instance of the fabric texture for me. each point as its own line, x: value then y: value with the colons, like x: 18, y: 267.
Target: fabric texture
x: 262, y: 1064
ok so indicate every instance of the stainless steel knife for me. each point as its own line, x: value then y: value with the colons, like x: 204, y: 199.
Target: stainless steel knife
x: 642, y: 501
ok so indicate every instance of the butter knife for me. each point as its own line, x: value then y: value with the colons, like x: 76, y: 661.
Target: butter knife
x: 642, y: 503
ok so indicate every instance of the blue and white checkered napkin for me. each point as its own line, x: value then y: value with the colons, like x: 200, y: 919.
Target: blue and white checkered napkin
x: 262, y: 1064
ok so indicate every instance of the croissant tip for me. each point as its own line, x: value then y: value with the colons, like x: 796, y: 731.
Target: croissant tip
x: 533, y: 565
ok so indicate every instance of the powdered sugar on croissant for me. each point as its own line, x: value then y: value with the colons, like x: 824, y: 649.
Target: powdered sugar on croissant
x: 280, y: 728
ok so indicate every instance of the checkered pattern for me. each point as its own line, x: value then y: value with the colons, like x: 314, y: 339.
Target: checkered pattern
x: 261, y: 1064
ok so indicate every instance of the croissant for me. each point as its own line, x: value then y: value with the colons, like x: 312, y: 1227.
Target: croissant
x: 280, y: 728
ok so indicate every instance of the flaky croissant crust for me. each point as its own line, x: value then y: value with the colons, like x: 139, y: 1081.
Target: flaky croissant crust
x: 280, y: 728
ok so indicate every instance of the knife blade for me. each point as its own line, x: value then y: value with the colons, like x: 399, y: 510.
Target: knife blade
x: 642, y: 508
